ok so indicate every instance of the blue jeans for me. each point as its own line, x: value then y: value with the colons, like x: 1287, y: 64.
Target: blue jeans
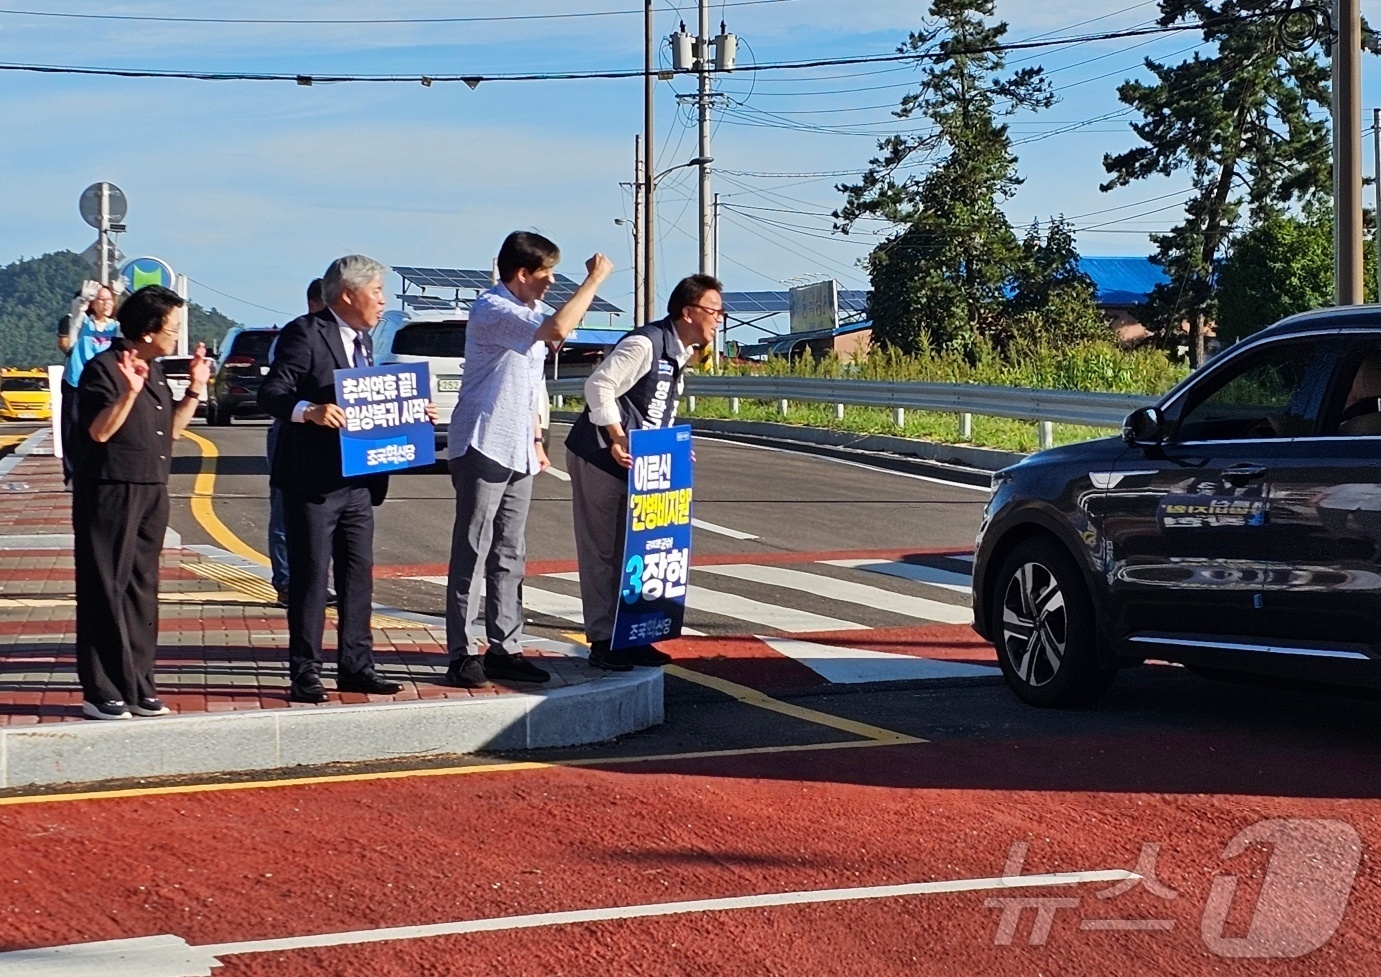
x: 278, y: 530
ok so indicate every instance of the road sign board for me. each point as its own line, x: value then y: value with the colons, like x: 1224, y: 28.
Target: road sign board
x: 147, y: 271
x: 90, y: 204
x: 815, y: 307
x: 113, y: 254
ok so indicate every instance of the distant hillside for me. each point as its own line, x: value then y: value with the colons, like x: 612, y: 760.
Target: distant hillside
x: 36, y: 292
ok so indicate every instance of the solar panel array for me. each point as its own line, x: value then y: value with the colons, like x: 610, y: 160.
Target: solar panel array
x: 446, y: 277
x: 767, y: 303
x: 433, y: 303
x: 562, y: 290
x: 756, y: 303
x: 559, y: 293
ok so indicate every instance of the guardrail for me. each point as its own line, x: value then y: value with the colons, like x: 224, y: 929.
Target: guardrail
x: 1045, y: 407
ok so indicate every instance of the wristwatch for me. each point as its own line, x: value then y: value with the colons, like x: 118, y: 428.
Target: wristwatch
x: 193, y: 394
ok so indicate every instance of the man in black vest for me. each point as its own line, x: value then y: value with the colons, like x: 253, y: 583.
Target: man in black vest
x: 327, y: 514
x: 636, y: 387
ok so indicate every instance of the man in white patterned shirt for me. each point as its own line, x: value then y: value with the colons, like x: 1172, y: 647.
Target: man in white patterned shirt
x: 496, y: 449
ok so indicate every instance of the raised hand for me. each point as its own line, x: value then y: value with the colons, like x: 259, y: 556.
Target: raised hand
x: 134, y: 370
x: 599, y: 267
x: 200, y: 369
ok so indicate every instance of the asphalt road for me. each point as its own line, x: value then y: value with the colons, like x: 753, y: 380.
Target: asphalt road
x: 1210, y: 827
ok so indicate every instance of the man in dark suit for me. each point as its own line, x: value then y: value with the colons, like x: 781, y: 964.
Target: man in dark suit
x: 327, y: 514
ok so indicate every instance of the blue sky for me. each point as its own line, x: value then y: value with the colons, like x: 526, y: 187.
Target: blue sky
x: 250, y: 188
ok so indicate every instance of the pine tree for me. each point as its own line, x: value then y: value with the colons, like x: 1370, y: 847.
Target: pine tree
x: 1053, y: 301
x: 1249, y: 125
x: 940, y: 281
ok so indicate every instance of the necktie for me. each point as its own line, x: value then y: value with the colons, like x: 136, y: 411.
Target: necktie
x: 362, y: 351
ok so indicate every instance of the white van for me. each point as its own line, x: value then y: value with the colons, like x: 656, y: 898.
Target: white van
x: 436, y: 338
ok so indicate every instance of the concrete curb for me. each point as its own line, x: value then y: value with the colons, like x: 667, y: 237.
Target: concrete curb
x: 79, y: 752
x: 966, y: 456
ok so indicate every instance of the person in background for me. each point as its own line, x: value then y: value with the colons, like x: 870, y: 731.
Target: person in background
x: 638, y: 386
x: 496, y: 449
x: 124, y: 432
x: 278, y: 532
x: 90, y: 328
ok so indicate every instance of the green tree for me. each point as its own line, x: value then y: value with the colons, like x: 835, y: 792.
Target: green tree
x: 940, y: 281
x: 1248, y: 123
x: 1282, y: 265
x: 36, y: 292
x: 1053, y: 301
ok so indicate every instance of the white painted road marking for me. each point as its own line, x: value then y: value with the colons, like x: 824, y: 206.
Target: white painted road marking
x: 754, y: 611
x: 851, y: 666
x: 710, y: 527
x: 961, y: 583
x: 171, y: 956
x: 844, y: 590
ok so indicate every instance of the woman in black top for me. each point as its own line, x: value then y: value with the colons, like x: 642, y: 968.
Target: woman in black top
x: 126, y: 423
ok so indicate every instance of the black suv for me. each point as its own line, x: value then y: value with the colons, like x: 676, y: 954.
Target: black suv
x: 1235, y: 526
x: 243, y: 362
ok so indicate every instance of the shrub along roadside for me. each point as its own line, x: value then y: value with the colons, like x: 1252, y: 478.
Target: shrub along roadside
x: 1094, y: 366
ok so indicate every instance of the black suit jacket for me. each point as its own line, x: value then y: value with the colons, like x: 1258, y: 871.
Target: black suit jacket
x: 307, y: 461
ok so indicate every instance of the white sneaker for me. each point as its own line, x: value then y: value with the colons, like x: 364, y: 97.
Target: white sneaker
x: 113, y: 709
x: 150, y: 706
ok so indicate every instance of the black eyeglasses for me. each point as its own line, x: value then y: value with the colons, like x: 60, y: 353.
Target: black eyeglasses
x: 717, y: 313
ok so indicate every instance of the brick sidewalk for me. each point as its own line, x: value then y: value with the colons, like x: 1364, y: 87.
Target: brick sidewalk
x: 221, y: 643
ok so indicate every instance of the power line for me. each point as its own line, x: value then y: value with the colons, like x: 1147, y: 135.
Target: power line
x: 332, y: 21
x: 237, y: 299
x: 475, y: 79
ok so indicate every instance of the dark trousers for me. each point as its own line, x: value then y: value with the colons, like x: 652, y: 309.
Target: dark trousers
x: 119, y: 529
x: 67, y: 426
x: 339, y: 526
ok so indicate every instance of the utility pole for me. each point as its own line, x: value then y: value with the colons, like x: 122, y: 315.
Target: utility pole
x: 1376, y: 185
x: 1347, y: 152
x: 714, y: 237
x: 104, y: 235
x: 702, y: 69
x: 649, y: 236
x: 639, y: 302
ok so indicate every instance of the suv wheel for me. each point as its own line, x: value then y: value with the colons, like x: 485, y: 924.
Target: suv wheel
x: 1044, y: 628
x: 215, y: 416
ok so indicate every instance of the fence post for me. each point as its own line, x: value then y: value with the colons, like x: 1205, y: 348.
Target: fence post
x: 733, y: 405
x: 966, y: 428
x: 838, y: 412
x: 560, y: 402
x: 782, y: 407
x: 690, y: 403
x: 1047, y: 435
x: 899, y: 416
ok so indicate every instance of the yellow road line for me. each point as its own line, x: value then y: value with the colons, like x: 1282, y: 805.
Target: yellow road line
x: 752, y: 697
x: 479, y: 768
x: 203, y: 489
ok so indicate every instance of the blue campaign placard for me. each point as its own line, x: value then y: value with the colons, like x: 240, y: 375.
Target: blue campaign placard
x: 386, y: 424
x: 656, y: 555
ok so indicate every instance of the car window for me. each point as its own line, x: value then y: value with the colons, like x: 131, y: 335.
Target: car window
x: 1354, y: 404
x: 430, y: 339
x: 255, y: 344
x: 24, y: 384
x: 1269, y: 393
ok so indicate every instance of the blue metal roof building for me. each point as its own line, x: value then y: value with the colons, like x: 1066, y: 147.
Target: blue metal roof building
x: 1122, y: 281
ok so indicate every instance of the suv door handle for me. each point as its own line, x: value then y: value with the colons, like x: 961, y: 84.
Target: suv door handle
x: 1243, y: 472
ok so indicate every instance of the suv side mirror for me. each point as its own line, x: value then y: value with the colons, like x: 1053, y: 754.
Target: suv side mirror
x: 1144, y: 427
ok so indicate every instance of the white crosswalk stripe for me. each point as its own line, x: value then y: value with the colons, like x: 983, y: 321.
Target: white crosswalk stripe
x: 950, y: 580
x: 783, y: 614
x: 832, y: 588
x: 787, y: 619
x: 850, y: 666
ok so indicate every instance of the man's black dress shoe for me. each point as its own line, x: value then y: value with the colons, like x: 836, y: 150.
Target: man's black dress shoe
x: 370, y: 683
x: 467, y: 673
x: 307, y: 688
